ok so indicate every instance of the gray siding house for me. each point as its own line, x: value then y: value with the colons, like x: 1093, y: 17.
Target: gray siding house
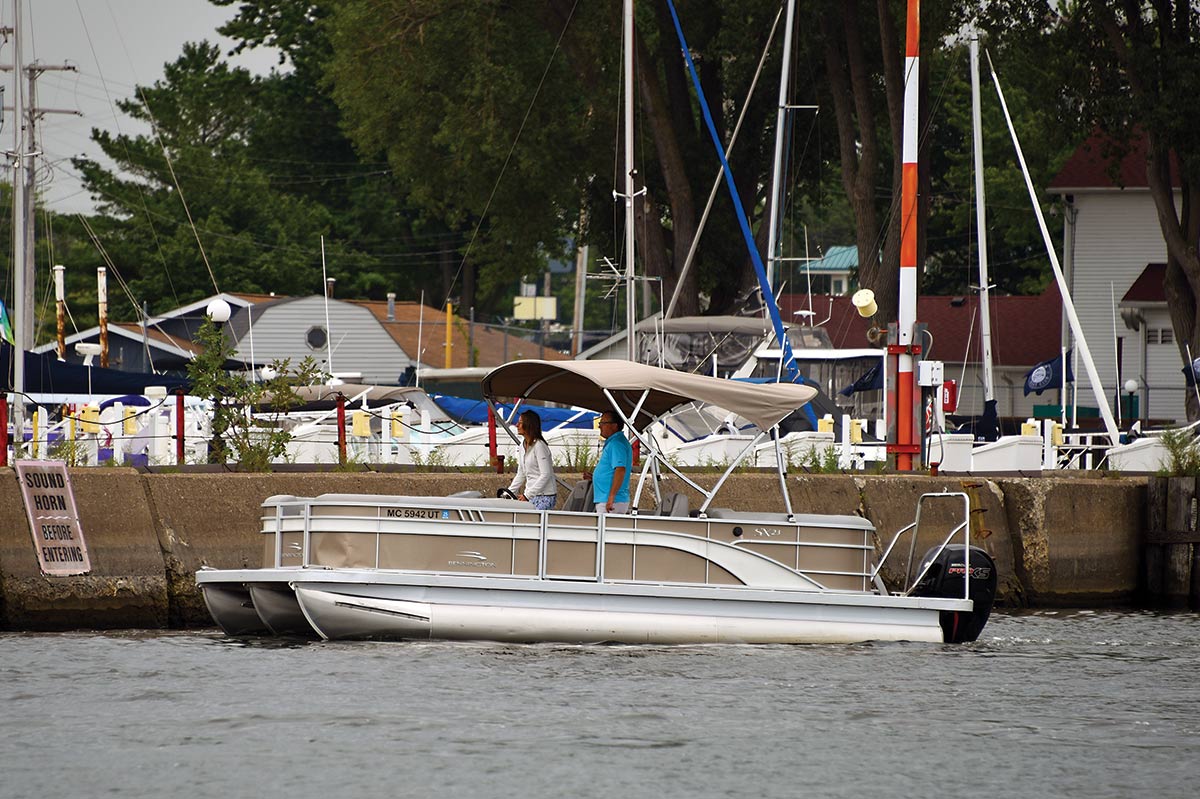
x: 345, y: 339
x: 1113, y: 250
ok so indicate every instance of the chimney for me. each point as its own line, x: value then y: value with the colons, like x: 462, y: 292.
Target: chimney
x: 329, y: 281
x: 391, y: 317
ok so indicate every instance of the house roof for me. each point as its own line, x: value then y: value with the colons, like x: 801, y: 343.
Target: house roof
x: 180, y: 346
x: 840, y: 258
x: 1025, y: 329
x: 132, y: 330
x: 1148, y: 287
x: 198, y: 307
x: 1090, y: 167
x: 492, y: 346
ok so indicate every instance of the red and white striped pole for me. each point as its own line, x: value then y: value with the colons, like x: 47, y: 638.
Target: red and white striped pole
x: 905, y: 408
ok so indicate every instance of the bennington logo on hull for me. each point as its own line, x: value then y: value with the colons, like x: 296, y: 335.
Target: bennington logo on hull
x: 472, y: 559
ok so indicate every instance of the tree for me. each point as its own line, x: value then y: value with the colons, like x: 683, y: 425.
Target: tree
x: 1130, y: 70
x: 1017, y: 255
x: 229, y: 192
x: 445, y: 88
x: 253, y: 441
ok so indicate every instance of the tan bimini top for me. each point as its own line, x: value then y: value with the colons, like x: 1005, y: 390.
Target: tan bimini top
x: 582, y: 383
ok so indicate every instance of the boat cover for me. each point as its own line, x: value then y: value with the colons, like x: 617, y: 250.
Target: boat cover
x: 45, y: 374
x: 475, y: 411
x: 582, y: 383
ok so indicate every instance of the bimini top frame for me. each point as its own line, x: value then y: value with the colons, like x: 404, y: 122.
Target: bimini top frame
x: 641, y: 394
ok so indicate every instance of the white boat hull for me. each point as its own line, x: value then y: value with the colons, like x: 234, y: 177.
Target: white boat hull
x: 370, y: 605
x: 335, y: 615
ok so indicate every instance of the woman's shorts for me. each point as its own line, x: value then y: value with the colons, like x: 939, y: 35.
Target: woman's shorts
x: 543, y: 502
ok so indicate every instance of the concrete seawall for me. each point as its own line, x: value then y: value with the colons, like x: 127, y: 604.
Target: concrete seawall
x: 1057, y: 541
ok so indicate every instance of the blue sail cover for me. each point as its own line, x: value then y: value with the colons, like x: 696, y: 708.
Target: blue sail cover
x: 45, y: 374
x: 474, y: 411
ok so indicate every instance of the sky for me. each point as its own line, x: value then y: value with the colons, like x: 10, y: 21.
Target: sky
x: 114, y: 45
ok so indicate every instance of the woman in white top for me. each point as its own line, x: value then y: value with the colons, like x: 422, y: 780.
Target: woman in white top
x: 535, y: 469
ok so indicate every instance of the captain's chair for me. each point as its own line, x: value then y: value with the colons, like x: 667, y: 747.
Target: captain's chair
x: 672, y: 503
x: 580, y: 498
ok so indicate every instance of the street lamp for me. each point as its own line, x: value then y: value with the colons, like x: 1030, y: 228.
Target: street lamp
x: 218, y: 311
x: 1131, y: 387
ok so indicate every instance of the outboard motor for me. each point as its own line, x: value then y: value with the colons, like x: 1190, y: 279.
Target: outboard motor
x: 945, y: 579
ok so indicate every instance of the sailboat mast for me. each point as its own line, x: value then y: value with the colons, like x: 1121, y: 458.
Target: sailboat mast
x: 777, y: 169
x: 21, y: 313
x: 989, y: 391
x: 627, y: 27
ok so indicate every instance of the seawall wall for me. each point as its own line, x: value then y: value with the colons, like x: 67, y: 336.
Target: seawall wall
x: 1057, y: 541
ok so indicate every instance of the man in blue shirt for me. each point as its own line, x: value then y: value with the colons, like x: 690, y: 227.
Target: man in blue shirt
x: 610, y: 482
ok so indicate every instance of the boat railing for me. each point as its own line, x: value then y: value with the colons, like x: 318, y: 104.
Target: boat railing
x: 295, y: 526
x: 963, y: 527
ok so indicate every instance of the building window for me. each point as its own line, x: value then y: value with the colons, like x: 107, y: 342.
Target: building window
x: 1162, y: 335
x: 316, y: 338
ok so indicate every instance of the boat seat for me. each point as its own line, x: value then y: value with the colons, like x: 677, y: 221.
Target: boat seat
x: 580, y: 498
x: 673, y: 503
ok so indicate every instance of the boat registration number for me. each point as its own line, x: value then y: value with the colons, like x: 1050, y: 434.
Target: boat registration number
x: 417, y: 513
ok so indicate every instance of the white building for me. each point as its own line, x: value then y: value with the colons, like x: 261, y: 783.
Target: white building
x: 1113, y: 257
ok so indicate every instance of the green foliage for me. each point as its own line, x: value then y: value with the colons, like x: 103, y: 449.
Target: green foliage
x: 424, y: 138
x: 435, y: 460
x: 68, y: 450
x: 817, y: 460
x: 1183, y: 454
x: 577, y: 456
x: 1018, y: 263
x: 246, y: 413
x: 260, y: 167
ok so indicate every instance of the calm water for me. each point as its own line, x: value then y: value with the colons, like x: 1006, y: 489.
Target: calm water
x: 1067, y: 704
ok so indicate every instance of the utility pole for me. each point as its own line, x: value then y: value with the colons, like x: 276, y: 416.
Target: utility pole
x: 581, y: 261
x: 24, y: 152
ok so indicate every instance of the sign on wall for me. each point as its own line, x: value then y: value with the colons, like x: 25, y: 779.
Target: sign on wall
x: 53, y: 518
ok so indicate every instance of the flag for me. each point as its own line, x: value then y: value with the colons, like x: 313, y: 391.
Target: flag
x: 5, y: 325
x: 1048, y: 374
x: 1190, y: 373
x: 870, y: 380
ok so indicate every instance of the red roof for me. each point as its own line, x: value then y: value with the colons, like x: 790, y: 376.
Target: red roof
x: 1149, y: 285
x: 1089, y: 167
x: 492, y: 347
x: 1025, y: 330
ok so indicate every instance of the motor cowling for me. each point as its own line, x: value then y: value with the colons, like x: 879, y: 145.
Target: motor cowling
x: 945, y: 569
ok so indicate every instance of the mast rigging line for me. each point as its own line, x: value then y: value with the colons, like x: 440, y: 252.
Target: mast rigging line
x: 113, y: 270
x: 117, y: 121
x: 712, y: 194
x: 182, y: 199
x: 788, y: 361
x: 504, y: 167
x: 926, y: 131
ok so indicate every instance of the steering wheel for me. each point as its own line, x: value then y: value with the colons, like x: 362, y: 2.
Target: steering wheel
x: 504, y: 493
